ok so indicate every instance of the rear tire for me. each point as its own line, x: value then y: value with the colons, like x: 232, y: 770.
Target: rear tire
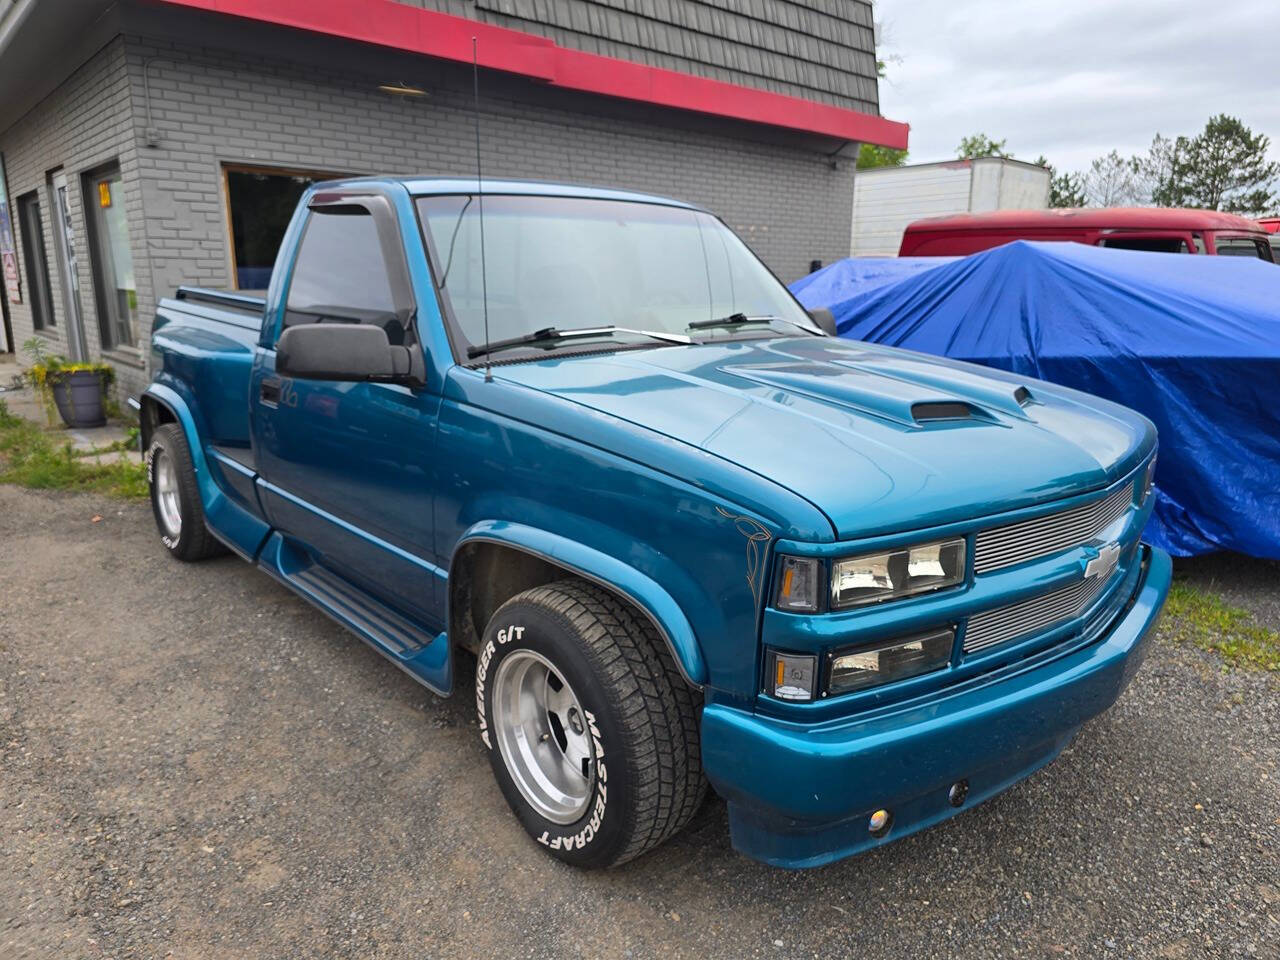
x: 592, y: 732
x: 175, y: 497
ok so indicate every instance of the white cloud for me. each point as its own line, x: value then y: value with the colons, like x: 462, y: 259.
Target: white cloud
x: 1076, y: 80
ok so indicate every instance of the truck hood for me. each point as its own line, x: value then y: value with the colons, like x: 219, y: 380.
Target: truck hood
x: 879, y: 439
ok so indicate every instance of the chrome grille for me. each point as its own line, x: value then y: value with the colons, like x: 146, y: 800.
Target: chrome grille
x: 1030, y: 616
x: 1041, y: 536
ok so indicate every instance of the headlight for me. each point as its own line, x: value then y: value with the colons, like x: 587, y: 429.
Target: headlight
x: 858, y: 669
x: 897, y: 573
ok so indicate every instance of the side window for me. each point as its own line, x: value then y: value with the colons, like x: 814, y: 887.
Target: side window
x: 1149, y: 244
x: 340, y: 275
x: 1242, y: 247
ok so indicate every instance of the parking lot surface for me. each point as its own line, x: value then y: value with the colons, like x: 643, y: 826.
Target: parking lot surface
x: 194, y: 763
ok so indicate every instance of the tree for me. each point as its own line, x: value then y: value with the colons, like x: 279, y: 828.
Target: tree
x: 980, y: 145
x: 1065, y: 189
x: 1154, y: 174
x: 1225, y: 167
x: 1111, y: 181
x: 870, y: 155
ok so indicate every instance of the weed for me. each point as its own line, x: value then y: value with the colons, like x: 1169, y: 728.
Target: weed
x: 1211, y: 624
x: 30, y: 458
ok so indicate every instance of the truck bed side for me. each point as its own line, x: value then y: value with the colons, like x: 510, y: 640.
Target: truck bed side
x: 202, y: 346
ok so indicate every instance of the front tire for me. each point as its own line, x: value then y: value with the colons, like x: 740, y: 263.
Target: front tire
x: 592, y: 732
x: 175, y: 497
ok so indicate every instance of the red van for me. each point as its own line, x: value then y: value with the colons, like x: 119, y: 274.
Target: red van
x: 1157, y: 229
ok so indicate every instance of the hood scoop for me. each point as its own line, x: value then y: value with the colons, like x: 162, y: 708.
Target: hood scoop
x: 989, y: 393
x: 946, y: 410
x: 888, y: 397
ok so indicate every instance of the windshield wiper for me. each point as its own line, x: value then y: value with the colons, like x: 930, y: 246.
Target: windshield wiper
x: 733, y: 319
x: 552, y: 334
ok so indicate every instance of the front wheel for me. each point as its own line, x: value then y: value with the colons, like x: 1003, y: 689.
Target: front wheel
x: 175, y: 497
x: 592, y: 732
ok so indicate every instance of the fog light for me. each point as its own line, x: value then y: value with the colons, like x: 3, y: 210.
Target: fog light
x: 958, y: 792
x: 880, y: 822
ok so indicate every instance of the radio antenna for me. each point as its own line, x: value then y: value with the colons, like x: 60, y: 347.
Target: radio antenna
x: 484, y: 280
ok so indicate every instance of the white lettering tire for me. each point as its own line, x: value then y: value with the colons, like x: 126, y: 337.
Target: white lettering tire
x: 175, y: 497
x: 592, y: 732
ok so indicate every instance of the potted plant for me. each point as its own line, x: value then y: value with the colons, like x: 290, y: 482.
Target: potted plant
x: 78, y: 390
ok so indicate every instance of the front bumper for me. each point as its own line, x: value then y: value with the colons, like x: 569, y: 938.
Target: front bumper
x: 801, y: 795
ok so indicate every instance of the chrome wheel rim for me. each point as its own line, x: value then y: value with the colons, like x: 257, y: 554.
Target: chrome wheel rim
x: 166, y: 481
x: 543, y: 735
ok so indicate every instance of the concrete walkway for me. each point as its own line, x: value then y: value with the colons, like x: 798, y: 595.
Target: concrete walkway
x: 91, y: 444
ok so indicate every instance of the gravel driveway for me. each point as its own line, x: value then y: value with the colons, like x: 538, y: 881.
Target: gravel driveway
x: 195, y: 763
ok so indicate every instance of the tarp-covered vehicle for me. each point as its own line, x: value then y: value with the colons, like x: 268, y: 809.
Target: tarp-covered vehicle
x: 1193, y: 343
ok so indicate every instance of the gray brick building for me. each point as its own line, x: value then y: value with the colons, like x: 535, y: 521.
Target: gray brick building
x: 146, y: 145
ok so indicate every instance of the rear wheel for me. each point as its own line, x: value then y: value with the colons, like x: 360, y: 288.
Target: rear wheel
x: 175, y: 497
x: 592, y: 732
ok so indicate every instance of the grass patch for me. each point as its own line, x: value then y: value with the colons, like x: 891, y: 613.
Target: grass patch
x: 128, y: 445
x: 1206, y: 621
x: 29, y: 457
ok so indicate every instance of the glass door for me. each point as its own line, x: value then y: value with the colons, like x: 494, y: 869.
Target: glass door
x: 117, y: 291
x: 65, y: 240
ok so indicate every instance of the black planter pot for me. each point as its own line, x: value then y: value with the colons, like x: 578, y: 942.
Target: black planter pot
x: 79, y: 398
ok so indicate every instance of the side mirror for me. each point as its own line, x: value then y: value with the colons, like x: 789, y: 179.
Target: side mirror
x: 825, y: 320
x: 345, y: 351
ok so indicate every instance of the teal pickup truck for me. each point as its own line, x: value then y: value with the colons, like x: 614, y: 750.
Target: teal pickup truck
x: 584, y: 440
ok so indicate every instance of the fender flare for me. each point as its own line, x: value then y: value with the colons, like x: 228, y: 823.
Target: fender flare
x: 607, y: 571
x: 242, y: 531
x: 173, y: 401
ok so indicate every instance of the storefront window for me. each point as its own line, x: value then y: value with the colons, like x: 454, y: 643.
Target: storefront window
x: 260, y: 202
x: 36, y: 260
x: 117, y: 290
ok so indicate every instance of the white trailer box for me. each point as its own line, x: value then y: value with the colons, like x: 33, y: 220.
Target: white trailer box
x: 886, y: 199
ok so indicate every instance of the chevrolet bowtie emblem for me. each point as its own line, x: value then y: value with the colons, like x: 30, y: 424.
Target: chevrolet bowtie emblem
x: 1105, y: 563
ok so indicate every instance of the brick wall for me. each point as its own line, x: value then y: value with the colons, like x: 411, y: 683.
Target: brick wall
x: 85, y: 124
x: 210, y: 107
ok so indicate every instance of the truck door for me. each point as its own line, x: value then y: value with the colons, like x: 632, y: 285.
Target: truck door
x: 347, y: 467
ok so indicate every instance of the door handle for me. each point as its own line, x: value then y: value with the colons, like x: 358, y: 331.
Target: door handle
x: 269, y: 392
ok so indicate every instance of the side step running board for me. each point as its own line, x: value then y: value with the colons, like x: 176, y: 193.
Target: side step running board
x: 424, y: 656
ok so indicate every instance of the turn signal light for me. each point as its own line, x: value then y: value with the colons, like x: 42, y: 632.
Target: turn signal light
x: 790, y: 676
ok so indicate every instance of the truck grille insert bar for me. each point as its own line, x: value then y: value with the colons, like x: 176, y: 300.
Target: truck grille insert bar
x: 1041, y: 536
x: 1031, y: 616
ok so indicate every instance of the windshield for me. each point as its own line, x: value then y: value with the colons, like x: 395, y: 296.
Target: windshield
x: 568, y: 262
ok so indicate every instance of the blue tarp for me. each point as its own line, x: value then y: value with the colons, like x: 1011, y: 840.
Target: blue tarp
x: 856, y: 277
x: 1192, y: 342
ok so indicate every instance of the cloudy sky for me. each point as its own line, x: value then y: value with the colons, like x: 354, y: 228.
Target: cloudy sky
x: 1074, y: 79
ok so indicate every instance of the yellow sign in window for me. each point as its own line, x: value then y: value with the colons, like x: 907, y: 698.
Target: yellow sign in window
x: 104, y: 193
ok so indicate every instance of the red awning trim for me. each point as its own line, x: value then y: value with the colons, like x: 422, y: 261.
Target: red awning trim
x: 390, y: 24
